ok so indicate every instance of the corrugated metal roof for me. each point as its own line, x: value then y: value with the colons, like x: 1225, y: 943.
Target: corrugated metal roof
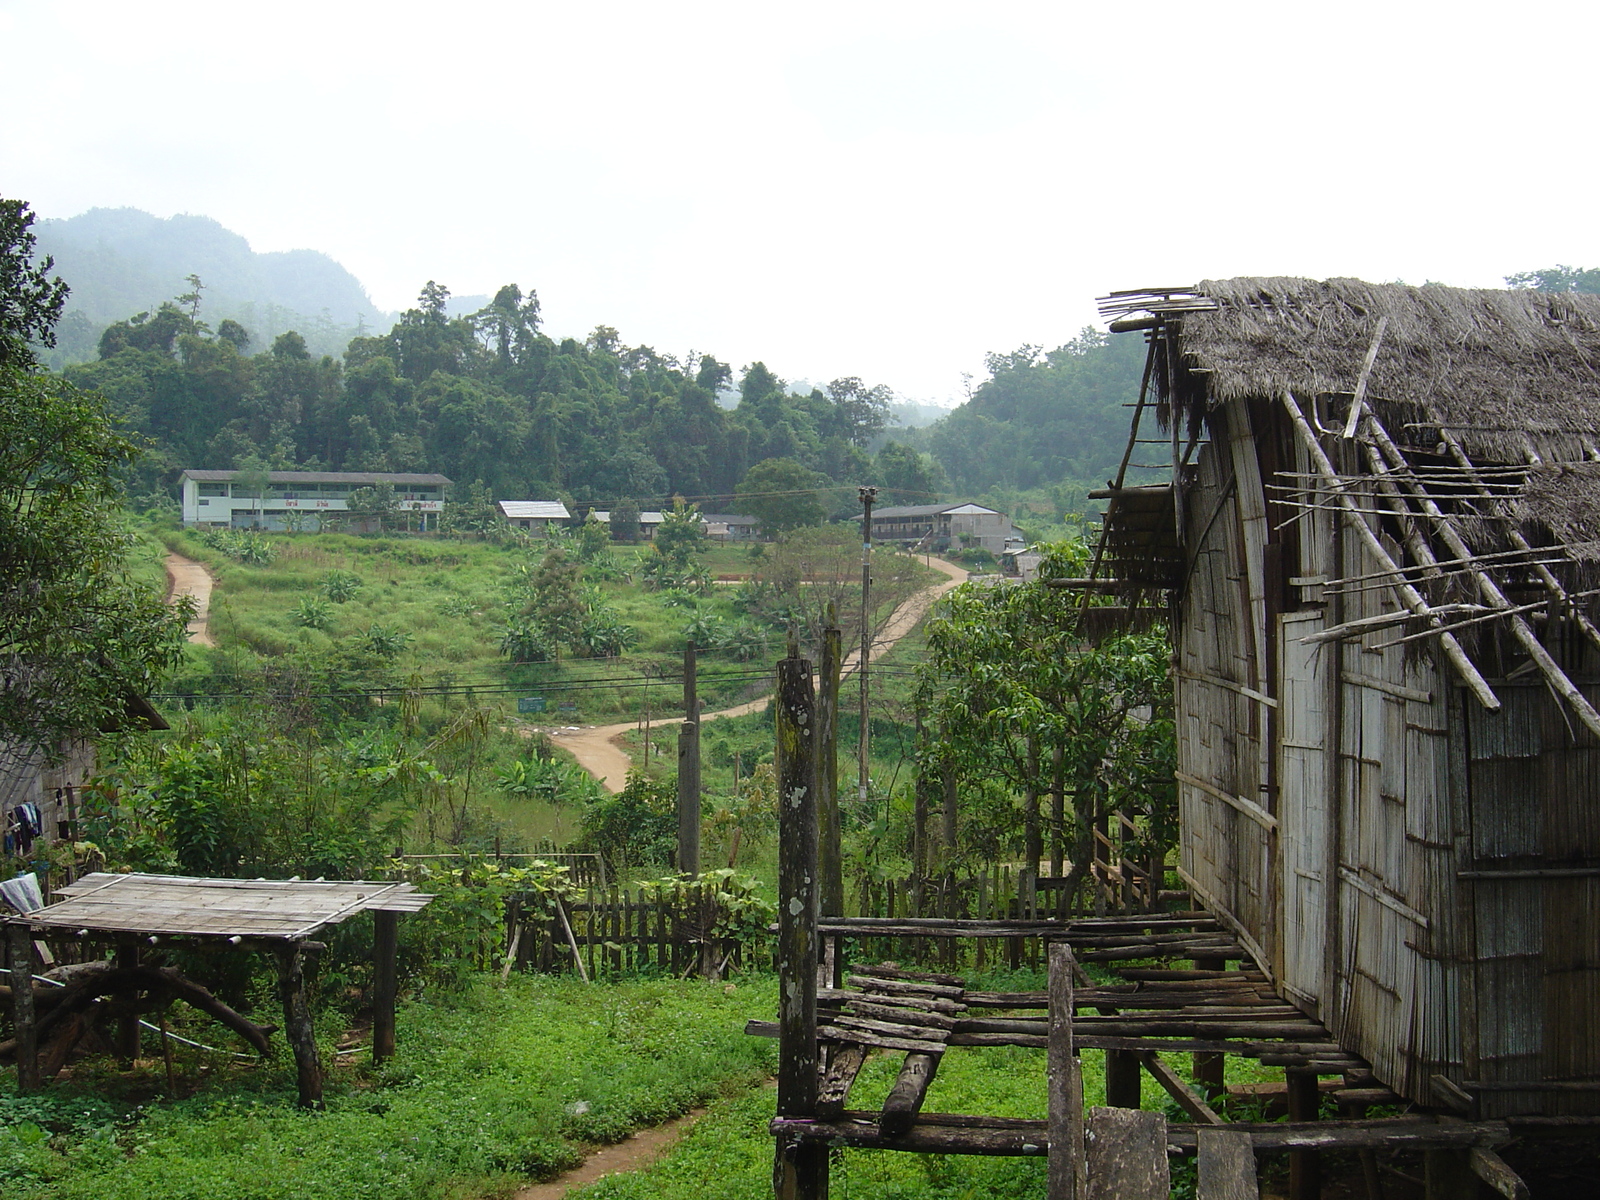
x: 364, y: 477
x: 930, y: 510
x: 539, y: 510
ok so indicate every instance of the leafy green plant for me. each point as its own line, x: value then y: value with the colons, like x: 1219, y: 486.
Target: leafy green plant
x: 637, y: 825
x: 456, y: 606
x: 524, y: 642
x: 246, y: 546
x: 312, y: 613
x: 340, y: 586
x: 384, y: 641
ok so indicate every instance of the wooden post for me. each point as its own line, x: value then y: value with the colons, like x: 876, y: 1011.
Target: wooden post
x: 689, y: 772
x: 19, y: 948
x: 1448, y: 1175
x: 863, y: 744
x: 1067, y: 1166
x: 297, y: 1028
x: 1122, y: 1079
x: 800, y: 1168
x: 830, y: 860
x: 1305, y: 1166
x: 385, y: 940
x: 920, y: 858
x: 127, y: 957
x: 1210, y: 1069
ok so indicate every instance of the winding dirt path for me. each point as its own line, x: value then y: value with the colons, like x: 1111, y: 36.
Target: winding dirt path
x: 598, y: 748
x: 185, y: 577
x: 640, y: 1150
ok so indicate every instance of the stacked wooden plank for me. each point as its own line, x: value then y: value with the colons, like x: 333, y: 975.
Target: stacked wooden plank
x: 893, y: 1009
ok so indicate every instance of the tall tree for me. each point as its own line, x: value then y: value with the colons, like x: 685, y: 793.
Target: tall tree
x: 76, y: 634
x: 781, y: 494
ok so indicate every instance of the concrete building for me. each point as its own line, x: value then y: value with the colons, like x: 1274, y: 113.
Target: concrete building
x: 941, y: 526
x: 300, y: 500
x: 731, y: 527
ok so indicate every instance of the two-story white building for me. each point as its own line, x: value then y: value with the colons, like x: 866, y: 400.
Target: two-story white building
x: 299, y: 500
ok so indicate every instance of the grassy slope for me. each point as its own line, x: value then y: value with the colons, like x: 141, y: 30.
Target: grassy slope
x: 488, y: 1090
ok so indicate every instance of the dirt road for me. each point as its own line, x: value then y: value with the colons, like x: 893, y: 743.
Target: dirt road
x: 597, y: 747
x: 185, y: 577
x: 640, y: 1149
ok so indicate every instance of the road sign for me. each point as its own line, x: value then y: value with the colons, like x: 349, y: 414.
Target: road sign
x: 528, y: 704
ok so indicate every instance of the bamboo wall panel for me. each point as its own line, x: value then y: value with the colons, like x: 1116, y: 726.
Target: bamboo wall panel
x: 1219, y: 730
x: 1302, y: 807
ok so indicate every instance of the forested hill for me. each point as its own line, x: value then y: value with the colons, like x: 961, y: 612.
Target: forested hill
x: 488, y: 397
x: 120, y: 261
x: 1041, y: 419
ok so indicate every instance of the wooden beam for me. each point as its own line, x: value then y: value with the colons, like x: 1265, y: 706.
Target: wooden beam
x: 843, y: 1066
x: 1305, y: 1166
x: 1178, y: 1088
x: 905, y: 1098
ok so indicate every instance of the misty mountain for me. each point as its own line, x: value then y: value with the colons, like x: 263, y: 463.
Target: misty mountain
x: 120, y: 261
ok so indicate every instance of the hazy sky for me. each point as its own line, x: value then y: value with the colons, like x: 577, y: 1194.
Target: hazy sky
x: 878, y: 189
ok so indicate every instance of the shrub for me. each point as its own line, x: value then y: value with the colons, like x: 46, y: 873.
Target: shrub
x: 339, y: 586
x: 312, y: 613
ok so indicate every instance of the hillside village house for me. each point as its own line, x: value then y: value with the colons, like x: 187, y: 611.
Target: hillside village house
x: 300, y: 499
x: 939, y: 526
x: 536, y: 516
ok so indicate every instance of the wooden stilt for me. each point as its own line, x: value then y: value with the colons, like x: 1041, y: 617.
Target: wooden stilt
x: 1305, y: 1166
x: 1067, y: 1164
x: 19, y: 947
x: 385, y: 938
x: 1209, y: 1069
x: 127, y: 956
x: 800, y: 1168
x: 297, y: 1023
x: 1122, y: 1079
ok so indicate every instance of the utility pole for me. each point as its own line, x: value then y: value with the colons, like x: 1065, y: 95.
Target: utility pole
x: 868, y: 495
x: 689, y: 772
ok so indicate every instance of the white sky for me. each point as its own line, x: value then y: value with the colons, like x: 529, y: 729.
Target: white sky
x: 879, y: 189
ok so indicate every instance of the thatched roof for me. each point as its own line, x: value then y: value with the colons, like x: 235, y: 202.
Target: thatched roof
x: 1489, y: 364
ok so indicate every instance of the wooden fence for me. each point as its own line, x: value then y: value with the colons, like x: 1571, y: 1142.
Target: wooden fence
x: 614, y: 930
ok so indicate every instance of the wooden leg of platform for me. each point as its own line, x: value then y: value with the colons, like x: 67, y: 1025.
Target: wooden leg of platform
x: 19, y: 951
x: 1209, y: 1070
x: 385, y: 941
x: 1122, y: 1079
x: 800, y: 1170
x: 1064, y: 1083
x: 1305, y: 1166
x: 127, y: 956
x: 297, y: 1024
x: 1449, y: 1177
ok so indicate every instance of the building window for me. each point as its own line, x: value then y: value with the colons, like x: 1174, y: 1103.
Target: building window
x: 213, y: 489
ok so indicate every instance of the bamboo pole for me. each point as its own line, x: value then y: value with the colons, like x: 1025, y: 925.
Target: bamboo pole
x: 1387, y: 466
x: 1409, y: 594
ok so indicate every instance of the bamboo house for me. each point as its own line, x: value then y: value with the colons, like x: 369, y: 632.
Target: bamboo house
x: 1381, y: 553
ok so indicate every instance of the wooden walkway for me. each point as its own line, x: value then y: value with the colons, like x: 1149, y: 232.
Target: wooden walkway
x: 1174, y: 990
